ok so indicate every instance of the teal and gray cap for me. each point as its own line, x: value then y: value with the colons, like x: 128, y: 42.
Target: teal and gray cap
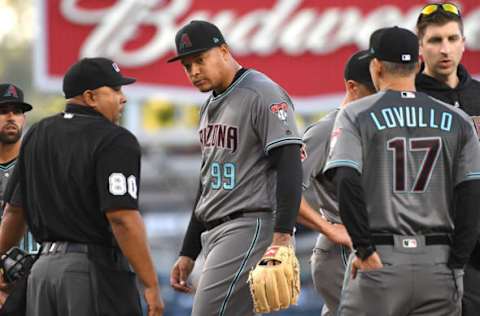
x: 196, y: 37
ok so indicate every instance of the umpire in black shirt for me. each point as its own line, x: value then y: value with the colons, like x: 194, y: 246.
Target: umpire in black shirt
x: 76, y: 187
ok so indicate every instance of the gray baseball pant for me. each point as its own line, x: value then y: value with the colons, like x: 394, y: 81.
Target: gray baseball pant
x: 413, y: 281
x: 231, y: 250
x: 328, y: 269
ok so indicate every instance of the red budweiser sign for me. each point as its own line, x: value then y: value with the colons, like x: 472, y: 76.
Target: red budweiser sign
x: 303, y: 45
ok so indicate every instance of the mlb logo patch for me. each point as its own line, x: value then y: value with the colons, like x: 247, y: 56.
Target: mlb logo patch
x: 409, y: 243
x: 115, y: 67
x: 406, y: 57
x: 408, y: 95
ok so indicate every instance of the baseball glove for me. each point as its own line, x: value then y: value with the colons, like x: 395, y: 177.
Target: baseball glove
x: 276, y: 285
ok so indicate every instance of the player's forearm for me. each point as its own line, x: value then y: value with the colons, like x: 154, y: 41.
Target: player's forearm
x: 12, y: 227
x: 309, y: 217
x: 352, y: 205
x: 129, y: 231
x: 466, y: 223
x: 286, y: 161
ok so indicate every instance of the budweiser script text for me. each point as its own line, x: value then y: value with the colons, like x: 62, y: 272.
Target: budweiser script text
x: 286, y: 27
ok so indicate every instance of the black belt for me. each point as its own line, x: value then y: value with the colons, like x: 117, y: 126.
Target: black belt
x: 429, y: 240
x: 63, y: 247
x: 214, y: 223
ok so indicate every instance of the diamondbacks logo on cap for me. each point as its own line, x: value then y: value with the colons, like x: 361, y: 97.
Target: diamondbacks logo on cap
x: 185, y: 41
x: 11, y: 92
x: 115, y: 66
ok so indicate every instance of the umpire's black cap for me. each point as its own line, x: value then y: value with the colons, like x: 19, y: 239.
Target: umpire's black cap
x: 196, y: 37
x: 93, y: 73
x: 394, y: 44
x: 10, y: 94
x: 358, y: 68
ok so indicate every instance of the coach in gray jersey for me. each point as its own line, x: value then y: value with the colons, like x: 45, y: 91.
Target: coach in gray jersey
x: 407, y: 170
x: 250, y: 168
x: 319, y: 207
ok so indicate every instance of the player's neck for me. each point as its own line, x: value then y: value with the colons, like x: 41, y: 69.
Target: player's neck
x: 397, y: 84
x: 233, y: 68
x: 8, y: 152
x: 450, y: 80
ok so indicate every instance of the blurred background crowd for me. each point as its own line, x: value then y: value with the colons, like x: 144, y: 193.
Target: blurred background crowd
x: 302, y: 45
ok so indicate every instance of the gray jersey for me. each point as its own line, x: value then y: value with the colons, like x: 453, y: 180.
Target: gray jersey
x: 412, y: 151
x: 318, y: 191
x: 237, y: 130
x: 5, y: 173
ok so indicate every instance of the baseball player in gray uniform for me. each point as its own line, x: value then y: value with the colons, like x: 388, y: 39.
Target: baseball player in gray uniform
x: 407, y: 169
x: 12, y: 121
x: 319, y: 207
x: 250, y: 168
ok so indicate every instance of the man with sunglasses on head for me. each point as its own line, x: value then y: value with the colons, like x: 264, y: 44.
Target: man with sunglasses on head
x: 398, y: 159
x: 442, y: 43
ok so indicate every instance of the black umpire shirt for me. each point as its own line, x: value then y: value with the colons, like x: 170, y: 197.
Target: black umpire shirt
x: 466, y: 96
x: 72, y: 168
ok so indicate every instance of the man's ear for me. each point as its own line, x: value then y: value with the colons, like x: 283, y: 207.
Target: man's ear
x: 89, y: 97
x: 350, y: 87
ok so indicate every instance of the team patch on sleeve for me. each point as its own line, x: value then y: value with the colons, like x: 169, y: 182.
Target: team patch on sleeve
x: 280, y: 110
x: 333, y: 139
x: 303, y: 153
x: 476, y: 122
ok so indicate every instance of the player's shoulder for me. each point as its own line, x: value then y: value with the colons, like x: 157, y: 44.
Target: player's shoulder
x: 322, y: 126
x: 123, y: 136
x: 355, y: 108
x: 263, y: 88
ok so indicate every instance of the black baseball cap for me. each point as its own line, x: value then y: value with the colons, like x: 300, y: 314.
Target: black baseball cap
x: 10, y: 94
x: 93, y: 73
x: 196, y: 37
x: 358, y: 68
x: 394, y: 44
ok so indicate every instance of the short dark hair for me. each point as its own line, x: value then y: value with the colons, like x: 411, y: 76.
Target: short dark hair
x: 439, y: 18
x: 399, y: 69
x: 369, y: 86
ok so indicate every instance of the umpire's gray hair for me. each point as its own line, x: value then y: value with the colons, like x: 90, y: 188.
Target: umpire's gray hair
x: 402, y: 70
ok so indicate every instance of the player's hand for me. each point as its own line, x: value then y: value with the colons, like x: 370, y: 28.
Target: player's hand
x: 338, y: 234
x: 371, y: 263
x: 179, y: 275
x: 155, y: 305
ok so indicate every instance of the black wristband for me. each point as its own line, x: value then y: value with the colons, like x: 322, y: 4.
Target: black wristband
x: 363, y: 252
